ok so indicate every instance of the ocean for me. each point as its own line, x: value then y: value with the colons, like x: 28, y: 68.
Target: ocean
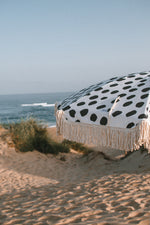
x: 14, y: 108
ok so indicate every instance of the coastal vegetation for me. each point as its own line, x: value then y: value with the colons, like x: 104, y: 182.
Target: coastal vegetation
x: 29, y: 135
x: 77, y: 146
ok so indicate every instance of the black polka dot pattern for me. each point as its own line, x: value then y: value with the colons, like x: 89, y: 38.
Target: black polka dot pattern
x: 130, y: 76
x: 139, y: 85
x: 129, y: 82
x: 139, y: 104
x: 133, y: 89
x: 98, y: 89
x: 144, y: 96
x: 101, y: 106
x: 122, y: 101
x: 122, y: 95
x: 92, y: 103
x: 66, y: 108
x: 146, y: 89
x: 130, y: 125
x: 105, y: 91
x: 143, y: 80
x: 127, y: 103
x: 93, y: 117
x: 93, y: 97
x: 143, y: 116
x: 81, y: 103
x: 120, y: 79
x: 77, y: 121
x: 104, y: 98
x: 113, y: 101
x: 126, y: 87
x: 139, y: 78
x: 113, y: 85
x: 113, y: 78
x: 114, y: 92
x: 130, y: 96
x: 84, y: 112
x: 142, y: 73
x: 72, y: 113
x: 131, y: 113
x: 103, y: 121
x: 116, y: 113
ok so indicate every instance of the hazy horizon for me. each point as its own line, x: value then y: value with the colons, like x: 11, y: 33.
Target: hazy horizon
x: 63, y: 46
x: 37, y: 93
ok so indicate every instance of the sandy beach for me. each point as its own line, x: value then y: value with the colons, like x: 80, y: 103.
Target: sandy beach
x: 73, y: 189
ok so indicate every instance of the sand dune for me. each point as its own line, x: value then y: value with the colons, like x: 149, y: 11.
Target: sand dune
x: 44, y: 189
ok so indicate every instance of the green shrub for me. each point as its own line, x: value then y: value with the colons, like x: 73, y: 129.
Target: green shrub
x: 29, y: 135
x: 77, y: 146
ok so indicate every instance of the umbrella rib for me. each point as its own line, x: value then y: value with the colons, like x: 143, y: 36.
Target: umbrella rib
x: 113, y: 106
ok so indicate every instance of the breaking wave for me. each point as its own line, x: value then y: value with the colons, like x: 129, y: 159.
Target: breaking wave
x: 42, y: 104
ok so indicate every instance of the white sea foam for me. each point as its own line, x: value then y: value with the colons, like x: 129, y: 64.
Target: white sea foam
x: 42, y: 104
x: 52, y: 126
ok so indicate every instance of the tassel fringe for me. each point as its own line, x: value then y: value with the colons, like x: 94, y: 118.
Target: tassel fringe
x: 106, y: 136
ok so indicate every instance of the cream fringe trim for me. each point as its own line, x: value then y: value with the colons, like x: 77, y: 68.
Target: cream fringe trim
x: 106, y: 136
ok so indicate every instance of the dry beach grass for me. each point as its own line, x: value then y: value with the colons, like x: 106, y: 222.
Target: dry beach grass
x: 81, y: 189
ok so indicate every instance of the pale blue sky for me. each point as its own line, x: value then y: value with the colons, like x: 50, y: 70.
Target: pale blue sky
x: 66, y: 45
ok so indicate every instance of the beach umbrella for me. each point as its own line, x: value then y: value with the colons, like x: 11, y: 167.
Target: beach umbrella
x: 114, y: 113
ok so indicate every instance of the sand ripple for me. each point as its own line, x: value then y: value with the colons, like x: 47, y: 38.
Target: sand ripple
x: 38, y: 189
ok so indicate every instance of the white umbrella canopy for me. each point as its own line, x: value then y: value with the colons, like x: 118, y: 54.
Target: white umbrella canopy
x: 114, y: 113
